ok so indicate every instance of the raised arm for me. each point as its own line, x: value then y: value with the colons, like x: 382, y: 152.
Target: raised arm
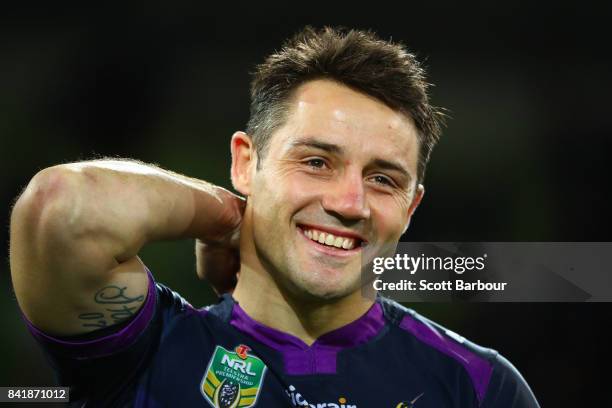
x: 77, y: 228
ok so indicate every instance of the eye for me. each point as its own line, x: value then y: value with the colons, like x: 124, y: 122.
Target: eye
x: 316, y: 163
x: 379, y: 179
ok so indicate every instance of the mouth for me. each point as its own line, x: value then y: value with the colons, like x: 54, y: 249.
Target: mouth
x: 334, y: 242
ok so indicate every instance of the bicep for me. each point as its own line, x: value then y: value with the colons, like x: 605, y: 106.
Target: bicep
x: 109, y: 303
x: 62, y: 308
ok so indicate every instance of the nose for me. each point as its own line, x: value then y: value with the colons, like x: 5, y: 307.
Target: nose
x: 347, y: 197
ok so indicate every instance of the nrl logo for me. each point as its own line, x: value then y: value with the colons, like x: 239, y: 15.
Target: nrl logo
x: 233, y: 378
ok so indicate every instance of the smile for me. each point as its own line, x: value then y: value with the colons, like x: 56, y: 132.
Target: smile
x: 329, y: 239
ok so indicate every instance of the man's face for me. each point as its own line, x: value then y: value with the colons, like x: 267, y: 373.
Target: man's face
x: 338, y: 181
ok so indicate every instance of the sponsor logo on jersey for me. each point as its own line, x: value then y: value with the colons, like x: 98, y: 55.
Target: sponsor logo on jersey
x: 299, y: 401
x: 242, y: 351
x: 233, y: 378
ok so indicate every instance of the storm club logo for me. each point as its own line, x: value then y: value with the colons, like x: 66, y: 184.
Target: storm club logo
x: 410, y: 404
x: 299, y: 401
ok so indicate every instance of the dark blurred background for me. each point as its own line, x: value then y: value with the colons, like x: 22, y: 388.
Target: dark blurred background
x: 525, y: 156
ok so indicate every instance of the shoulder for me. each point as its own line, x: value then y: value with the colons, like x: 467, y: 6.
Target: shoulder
x: 493, y: 378
x: 435, y: 335
x: 171, y: 301
x: 177, y: 315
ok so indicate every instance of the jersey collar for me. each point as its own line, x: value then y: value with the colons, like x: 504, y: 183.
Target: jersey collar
x: 321, y: 356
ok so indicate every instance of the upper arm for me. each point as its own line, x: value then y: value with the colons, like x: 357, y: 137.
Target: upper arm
x: 67, y: 276
x: 507, y: 388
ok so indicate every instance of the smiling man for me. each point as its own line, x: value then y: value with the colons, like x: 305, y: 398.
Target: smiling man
x: 331, y: 165
x: 329, y: 185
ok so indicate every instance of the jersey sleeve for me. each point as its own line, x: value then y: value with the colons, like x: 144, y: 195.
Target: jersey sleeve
x: 507, y: 388
x: 103, y: 365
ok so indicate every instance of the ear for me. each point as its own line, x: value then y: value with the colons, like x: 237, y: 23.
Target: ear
x: 416, y: 200
x: 243, y: 162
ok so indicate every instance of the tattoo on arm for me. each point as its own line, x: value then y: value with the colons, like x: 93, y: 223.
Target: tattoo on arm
x: 116, y: 302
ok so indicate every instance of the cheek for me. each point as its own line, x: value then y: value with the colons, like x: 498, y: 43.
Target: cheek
x: 389, y: 215
x: 294, y: 185
x: 281, y: 191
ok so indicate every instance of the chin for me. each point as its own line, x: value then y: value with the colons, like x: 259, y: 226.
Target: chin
x: 317, y: 284
x: 323, y: 291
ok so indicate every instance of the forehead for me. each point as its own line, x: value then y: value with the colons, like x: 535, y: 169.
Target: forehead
x: 359, y: 123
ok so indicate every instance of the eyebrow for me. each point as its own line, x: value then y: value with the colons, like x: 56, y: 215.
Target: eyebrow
x: 335, y: 149
x: 317, y: 144
x: 389, y: 165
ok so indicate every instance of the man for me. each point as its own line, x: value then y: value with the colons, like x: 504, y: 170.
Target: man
x: 331, y: 165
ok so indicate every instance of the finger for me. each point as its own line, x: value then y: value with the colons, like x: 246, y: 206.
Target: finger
x: 218, y: 265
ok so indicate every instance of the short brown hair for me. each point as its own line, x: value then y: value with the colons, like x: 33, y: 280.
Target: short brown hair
x: 355, y: 58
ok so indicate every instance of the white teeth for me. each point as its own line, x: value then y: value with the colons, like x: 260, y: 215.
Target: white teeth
x: 347, y: 243
x: 330, y: 239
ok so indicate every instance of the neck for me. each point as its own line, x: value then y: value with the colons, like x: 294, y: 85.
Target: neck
x: 264, y: 301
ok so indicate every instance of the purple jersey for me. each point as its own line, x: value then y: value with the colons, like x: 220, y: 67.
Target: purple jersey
x: 171, y: 354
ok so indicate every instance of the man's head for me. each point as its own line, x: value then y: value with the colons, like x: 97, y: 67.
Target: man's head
x: 339, y: 135
x: 357, y: 59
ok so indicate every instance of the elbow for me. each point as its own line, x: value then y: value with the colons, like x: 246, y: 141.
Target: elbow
x: 52, y: 199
